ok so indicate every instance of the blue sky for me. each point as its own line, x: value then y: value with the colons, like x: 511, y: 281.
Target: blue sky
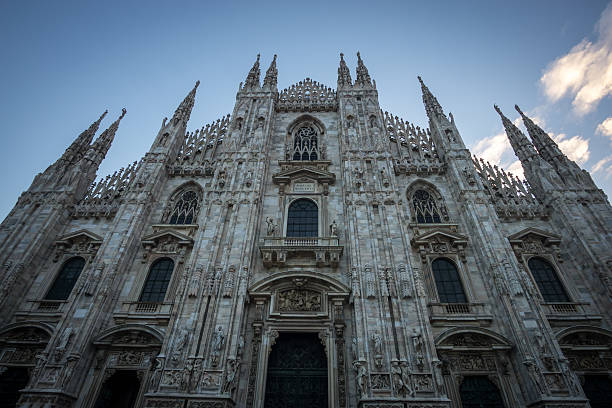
x: 63, y: 63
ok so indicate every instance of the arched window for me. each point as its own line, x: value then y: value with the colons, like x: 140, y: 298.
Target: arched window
x: 547, y: 280
x: 66, y: 279
x: 185, y: 207
x: 477, y: 391
x: 154, y: 289
x: 305, y: 144
x: 448, y: 282
x: 120, y: 390
x: 303, y: 219
x: 425, y: 208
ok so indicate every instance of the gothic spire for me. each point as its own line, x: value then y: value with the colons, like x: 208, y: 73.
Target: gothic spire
x: 344, y: 74
x: 183, y: 112
x: 104, y: 141
x: 548, y: 149
x: 252, y: 79
x: 79, y: 146
x: 363, y: 77
x: 271, y: 78
x: 520, y: 144
x: 432, y: 107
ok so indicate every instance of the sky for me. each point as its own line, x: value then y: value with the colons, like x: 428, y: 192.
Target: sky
x: 65, y: 62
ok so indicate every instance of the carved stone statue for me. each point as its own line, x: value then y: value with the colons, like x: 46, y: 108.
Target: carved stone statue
x: 354, y: 349
x: 362, y: 377
x: 333, y: 229
x: 231, y: 375
x: 217, y: 345
x: 271, y: 230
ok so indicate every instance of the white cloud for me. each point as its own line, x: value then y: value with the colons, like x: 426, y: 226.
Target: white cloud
x: 585, y: 73
x: 492, y: 148
x: 516, y: 168
x: 576, y: 147
x: 600, y: 164
x: 605, y: 128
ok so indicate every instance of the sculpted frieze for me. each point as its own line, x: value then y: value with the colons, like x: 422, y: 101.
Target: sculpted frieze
x: 586, y: 339
x: 82, y: 243
x: 298, y: 300
x: 380, y: 381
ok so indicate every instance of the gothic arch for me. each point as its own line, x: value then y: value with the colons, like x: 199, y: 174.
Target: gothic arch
x: 25, y: 325
x: 278, y: 279
x: 176, y: 195
x: 109, y: 336
x: 304, y: 120
x: 438, y: 205
x: 568, y: 331
x: 478, y: 334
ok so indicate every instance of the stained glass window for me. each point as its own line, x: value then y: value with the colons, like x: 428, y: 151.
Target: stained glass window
x: 66, y: 279
x: 547, y: 280
x: 303, y: 219
x: 448, y: 282
x: 155, y: 286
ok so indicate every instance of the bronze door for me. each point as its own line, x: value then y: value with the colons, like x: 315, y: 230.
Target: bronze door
x: 297, y: 372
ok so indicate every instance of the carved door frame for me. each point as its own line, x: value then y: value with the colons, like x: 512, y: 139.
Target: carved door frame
x: 271, y: 319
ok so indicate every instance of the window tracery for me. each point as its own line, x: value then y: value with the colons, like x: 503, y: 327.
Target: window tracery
x: 426, y: 210
x: 184, y: 207
x: 305, y: 144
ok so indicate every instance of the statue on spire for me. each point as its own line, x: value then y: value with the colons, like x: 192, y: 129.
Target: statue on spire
x: 271, y: 78
x: 344, y: 74
x: 252, y: 79
x: 363, y: 77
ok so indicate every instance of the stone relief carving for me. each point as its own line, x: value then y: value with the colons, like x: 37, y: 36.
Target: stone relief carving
x: 299, y: 300
x: 218, y: 342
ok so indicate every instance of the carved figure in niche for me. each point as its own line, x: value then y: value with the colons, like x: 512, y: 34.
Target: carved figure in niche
x: 396, y: 377
x: 377, y: 340
x: 157, y: 367
x: 240, y: 349
x: 406, y: 379
x: 179, y: 344
x: 333, y: 229
x: 63, y: 342
x: 231, y: 374
x: 271, y: 227
x: 362, y: 377
x: 534, y: 373
x: 217, y: 345
x: 186, y: 374
x: 351, y: 132
x: 248, y: 179
x: 41, y: 360
x: 417, y: 344
x: 195, y: 375
x: 354, y: 348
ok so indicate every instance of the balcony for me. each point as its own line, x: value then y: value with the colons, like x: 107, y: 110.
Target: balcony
x: 441, y: 314
x: 570, y: 312
x: 147, y: 311
x: 322, y: 251
x: 42, y: 308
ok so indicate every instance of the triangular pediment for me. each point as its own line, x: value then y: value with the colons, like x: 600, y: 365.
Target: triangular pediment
x: 439, y: 235
x: 80, y: 235
x: 319, y: 175
x: 544, y: 236
x: 165, y: 235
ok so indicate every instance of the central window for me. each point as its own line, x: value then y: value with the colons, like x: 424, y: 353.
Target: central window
x: 305, y: 144
x: 303, y: 219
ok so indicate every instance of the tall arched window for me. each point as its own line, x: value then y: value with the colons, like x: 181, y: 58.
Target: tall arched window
x: 448, y: 282
x: 158, y: 279
x: 477, y: 391
x: 65, y: 280
x: 185, y: 209
x: 303, y: 219
x: 425, y: 208
x: 547, y: 280
x: 305, y: 144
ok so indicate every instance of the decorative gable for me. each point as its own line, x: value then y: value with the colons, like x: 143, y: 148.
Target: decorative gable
x: 440, y: 242
x: 532, y: 241
x: 304, y: 179
x: 166, y: 242
x: 82, y: 242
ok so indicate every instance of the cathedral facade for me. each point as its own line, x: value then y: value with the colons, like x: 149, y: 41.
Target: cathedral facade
x: 308, y: 250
